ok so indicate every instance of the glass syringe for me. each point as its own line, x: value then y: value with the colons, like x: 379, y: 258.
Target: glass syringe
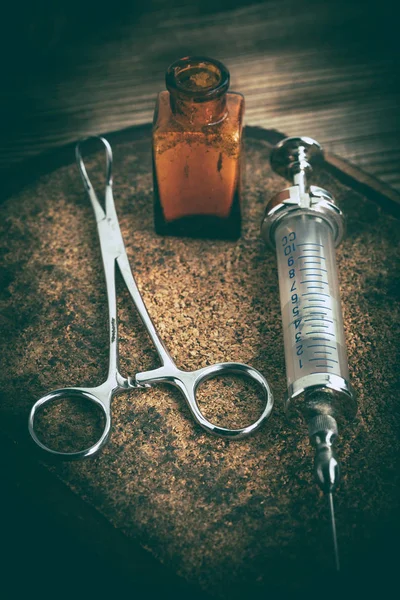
x: 304, y: 225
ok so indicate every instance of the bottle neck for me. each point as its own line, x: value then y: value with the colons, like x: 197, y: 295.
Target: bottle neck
x: 188, y: 111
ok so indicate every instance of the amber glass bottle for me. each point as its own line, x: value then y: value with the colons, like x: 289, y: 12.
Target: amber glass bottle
x: 197, y: 137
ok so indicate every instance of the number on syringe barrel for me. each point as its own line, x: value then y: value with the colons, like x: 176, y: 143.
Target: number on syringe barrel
x: 289, y: 247
x: 310, y: 301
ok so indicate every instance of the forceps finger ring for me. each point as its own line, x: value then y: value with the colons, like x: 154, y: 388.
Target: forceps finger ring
x: 188, y: 383
x: 93, y: 395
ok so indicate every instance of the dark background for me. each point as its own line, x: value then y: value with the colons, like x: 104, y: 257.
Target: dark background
x: 324, y: 69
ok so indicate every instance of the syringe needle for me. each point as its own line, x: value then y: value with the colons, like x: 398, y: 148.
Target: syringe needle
x: 334, y: 536
x: 323, y: 432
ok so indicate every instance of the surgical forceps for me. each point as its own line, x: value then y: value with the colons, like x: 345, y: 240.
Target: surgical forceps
x: 113, y: 251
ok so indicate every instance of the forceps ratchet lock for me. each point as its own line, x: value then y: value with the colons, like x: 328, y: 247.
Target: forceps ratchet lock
x: 113, y: 251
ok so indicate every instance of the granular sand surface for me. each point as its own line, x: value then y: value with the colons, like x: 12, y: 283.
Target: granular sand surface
x: 230, y: 516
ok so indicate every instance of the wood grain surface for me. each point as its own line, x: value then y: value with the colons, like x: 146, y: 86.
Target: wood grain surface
x: 329, y: 70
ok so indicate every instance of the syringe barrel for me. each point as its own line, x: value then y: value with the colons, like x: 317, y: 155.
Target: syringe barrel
x: 310, y: 299
x: 315, y: 349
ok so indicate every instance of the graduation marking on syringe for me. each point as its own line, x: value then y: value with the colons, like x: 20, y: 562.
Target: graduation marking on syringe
x: 330, y: 359
x: 324, y: 332
x: 312, y: 269
x: 321, y: 345
x: 318, y: 319
x: 314, y: 306
x: 316, y: 294
x: 312, y: 256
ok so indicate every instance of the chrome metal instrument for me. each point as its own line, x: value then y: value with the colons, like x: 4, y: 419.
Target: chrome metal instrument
x: 113, y: 252
x: 304, y: 225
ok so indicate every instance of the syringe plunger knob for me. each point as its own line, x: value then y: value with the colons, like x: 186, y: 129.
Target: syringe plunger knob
x: 323, y: 432
x: 295, y: 154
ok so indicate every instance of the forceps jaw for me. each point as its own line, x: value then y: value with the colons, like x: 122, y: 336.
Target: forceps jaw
x: 100, y: 214
x: 81, y: 164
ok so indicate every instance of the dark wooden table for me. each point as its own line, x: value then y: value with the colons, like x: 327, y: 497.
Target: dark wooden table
x: 324, y: 69
x: 329, y: 70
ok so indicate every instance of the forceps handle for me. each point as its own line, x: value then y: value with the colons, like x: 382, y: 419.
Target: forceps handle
x: 188, y: 383
x: 100, y: 396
